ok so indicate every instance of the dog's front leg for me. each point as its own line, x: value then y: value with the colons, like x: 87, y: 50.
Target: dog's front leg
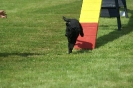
x: 70, y: 47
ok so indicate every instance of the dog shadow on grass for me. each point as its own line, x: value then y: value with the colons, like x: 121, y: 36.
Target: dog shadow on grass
x: 101, y: 41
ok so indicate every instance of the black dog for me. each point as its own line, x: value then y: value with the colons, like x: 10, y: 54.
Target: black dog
x: 73, y: 29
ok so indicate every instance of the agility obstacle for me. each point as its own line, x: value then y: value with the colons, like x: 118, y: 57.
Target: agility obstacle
x: 110, y: 8
x: 90, y: 12
x: 89, y: 18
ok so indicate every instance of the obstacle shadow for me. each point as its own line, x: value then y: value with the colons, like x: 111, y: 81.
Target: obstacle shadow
x: 83, y: 44
x: 18, y: 54
x: 101, y: 41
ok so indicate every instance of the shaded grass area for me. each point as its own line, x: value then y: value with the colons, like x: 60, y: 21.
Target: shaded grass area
x: 111, y: 36
x: 33, y: 48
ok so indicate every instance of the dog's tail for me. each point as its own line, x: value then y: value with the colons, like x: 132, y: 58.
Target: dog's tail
x: 65, y: 19
x: 81, y: 31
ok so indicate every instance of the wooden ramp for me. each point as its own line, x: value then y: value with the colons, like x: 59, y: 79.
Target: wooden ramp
x: 89, y: 18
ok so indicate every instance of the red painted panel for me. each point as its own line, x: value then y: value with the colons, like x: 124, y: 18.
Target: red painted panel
x: 89, y: 24
x: 89, y: 39
x: 90, y: 30
x: 86, y: 42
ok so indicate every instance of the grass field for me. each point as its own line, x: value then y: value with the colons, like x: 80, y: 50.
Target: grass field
x: 33, y: 48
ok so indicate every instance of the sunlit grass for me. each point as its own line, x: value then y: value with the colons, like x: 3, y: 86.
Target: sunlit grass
x: 33, y: 48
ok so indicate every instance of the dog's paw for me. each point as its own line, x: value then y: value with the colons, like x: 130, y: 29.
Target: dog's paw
x: 70, y: 51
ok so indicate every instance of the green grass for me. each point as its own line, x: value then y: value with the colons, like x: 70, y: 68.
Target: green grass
x: 33, y: 48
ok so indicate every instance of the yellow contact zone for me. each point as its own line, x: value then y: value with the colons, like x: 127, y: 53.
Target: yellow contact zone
x: 90, y: 11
